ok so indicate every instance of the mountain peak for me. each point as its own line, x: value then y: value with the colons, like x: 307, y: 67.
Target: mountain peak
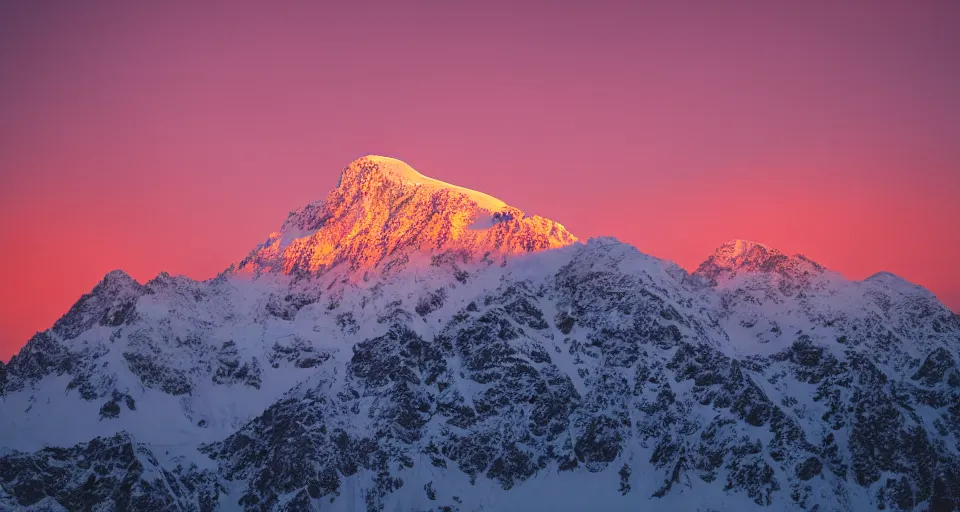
x: 737, y: 257
x: 117, y: 279
x: 898, y: 283
x: 738, y: 247
x: 384, y: 170
x: 382, y: 208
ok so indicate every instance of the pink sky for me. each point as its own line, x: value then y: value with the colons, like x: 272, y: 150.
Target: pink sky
x: 177, y: 136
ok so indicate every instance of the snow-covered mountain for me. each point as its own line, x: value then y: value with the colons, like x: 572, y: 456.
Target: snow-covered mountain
x: 406, y: 344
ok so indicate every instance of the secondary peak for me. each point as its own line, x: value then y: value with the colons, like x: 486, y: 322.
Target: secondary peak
x: 744, y: 256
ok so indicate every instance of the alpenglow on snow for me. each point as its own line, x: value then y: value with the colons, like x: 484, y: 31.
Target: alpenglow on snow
x: 407, y: 344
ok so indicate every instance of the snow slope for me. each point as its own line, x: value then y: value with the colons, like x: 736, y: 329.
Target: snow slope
x: 406, y: 344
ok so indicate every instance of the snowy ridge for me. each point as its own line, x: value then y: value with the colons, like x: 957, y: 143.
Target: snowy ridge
x: 401, y: 173
x: 405, y: 344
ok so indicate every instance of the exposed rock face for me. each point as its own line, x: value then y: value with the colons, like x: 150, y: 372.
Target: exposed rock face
x: 390, y: 349
x: 107, y: 473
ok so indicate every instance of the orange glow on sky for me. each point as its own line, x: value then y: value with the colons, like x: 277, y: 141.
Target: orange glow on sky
x: 177, y: 137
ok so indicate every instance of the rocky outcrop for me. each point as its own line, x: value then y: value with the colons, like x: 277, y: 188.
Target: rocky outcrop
x: 112, y: 473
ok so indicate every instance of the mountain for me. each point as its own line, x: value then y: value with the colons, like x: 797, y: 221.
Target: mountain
x: 406, y: 344
x: 744, y: 257
x: 383, y: 210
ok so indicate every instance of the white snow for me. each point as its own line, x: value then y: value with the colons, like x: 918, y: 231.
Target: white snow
x: 402, y: 173
x: 751, y: 313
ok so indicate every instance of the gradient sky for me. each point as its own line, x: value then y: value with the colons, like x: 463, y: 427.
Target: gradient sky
x: 176, y: 136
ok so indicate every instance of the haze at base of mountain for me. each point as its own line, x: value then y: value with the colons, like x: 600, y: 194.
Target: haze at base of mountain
x: 408, y: 344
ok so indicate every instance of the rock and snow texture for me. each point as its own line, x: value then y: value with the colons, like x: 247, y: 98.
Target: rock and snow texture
x: 406, y: 344
x: 382, y: 208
